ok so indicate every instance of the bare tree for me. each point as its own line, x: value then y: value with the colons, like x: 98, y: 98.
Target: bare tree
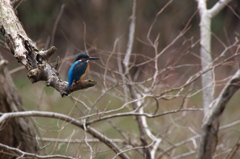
x: 212, y: 108
x: 142, y: 109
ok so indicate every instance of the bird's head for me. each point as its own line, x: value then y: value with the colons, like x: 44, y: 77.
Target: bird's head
x: 85, y: 56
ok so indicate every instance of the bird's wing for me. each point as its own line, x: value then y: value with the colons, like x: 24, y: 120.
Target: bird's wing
x: 70, y: 75
x: 79, y: 69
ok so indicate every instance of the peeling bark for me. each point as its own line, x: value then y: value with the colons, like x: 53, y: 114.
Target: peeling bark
x: 27, y: 53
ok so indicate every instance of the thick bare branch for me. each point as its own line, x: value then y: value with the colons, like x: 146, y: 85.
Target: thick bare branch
x: 27, y: 53
x: 131, y: 37
x: 205, y: 53
x: 218, y: 7
x: 210, y: 126
x: 90, y: 130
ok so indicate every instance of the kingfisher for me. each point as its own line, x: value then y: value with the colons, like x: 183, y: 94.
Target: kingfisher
x: 79, y: 69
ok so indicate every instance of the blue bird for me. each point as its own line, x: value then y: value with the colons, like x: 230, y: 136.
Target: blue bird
x: 79, y: 69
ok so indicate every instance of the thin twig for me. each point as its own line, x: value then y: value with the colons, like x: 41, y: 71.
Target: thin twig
x: 23, y: 154
x: 56, y: 23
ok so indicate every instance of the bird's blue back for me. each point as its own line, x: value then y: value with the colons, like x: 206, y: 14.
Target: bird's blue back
x: 76, y: 71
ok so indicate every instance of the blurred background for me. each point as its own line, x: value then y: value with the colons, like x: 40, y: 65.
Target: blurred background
x: 100, y: 28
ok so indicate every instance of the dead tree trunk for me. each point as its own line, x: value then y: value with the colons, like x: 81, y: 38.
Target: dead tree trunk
x: 16, y: 132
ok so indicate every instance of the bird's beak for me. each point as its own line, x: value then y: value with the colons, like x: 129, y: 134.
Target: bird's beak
x: 94, y: 58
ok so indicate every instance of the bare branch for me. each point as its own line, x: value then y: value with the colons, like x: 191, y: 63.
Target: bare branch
x: 133, y: 93
x: 21, y: 154
x: 130, y: 149
x: 205, y: 53
x: 131, y: 37
x: 190, y: 153
x: 234, y: 150
x: 155, y: 139
x: 218, y: 7
x: 141, y: 114
x: 27, y: 53
x: 56, y: 23
x: 178, y: 144
x: 68, y: 119
x: 210, y: 126
x: 76, y: 140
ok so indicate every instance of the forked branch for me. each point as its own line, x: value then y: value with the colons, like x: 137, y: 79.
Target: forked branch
x: 208, y: 141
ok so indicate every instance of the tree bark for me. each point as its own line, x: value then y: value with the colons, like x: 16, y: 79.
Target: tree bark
x: 209, y: 137
x: 15, y: 132
x: 28, y: 54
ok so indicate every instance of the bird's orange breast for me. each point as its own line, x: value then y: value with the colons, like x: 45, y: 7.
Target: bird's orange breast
x: 85, y: 73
